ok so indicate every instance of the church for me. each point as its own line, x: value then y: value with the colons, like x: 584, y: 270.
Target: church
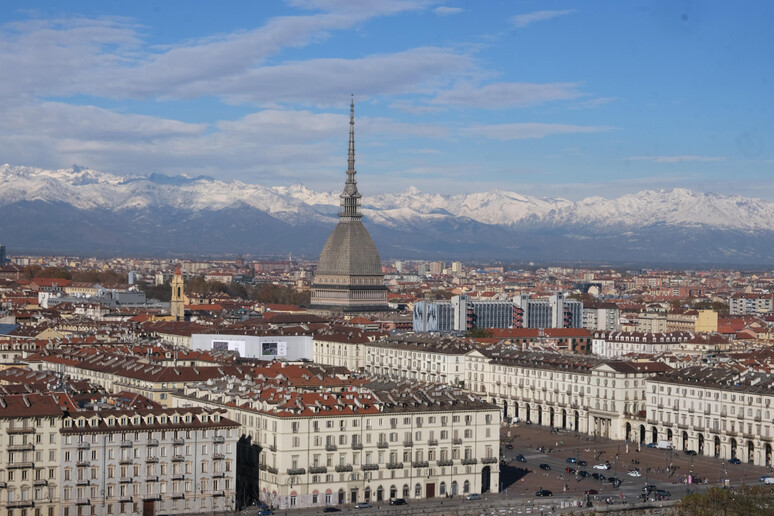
x: 349, y: 275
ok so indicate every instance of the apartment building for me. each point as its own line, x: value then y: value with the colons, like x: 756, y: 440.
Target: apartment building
x: 147, y: 461
x: 751, y: 303
x: 418, y: 357
x: 382, y: 441
x: 717, y: 412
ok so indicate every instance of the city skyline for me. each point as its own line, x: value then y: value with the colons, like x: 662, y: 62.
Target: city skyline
x: 515, y: 96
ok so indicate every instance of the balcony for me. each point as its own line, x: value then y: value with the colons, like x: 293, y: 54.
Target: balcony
x: 357, y: 446
x: 81, y: 501
x: 125, y: 480
x: 343, y: 468
x: 444, y: 463
x: 432, y: 442
x: 218, y: 493
x: 151, y: 459
x: 382, y: 444
x: 178, y: 458
x: 84, y: 446
x: 21, y: 430
x: 83, y: 463
x: 152, y: 478
x: 152, y: 442
x: 126, y: 444
x: 21, y: 447
x: 272, y: 470
x: 40, y: 482
x: 178, y: 441
x: 272, y: 448
x: 126, y: 461
x: 179, y: 476
x: 420, y: 464
x: 317, y: 470
x: 3, y: 485
x: 20, y: 504
x: 469, y: 462
x: 82, y: 482
x: 20, y: 465
x: 488, y: 460
x: 218, y: 439
x: 394, y: 465
x: 457, y: 441
x: 408, y: 444
x: 331, y: 447
x: 218, y: 456
x: 296, y: 471
x: 125, y: 499
x: 178, y: 496
x: 370, y: 467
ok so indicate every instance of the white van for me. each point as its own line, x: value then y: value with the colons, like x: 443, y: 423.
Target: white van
x: 664, y: 445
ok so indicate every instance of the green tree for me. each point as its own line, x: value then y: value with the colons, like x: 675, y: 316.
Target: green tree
x: 746, y: 501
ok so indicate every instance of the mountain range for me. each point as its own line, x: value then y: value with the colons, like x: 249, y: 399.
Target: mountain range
x: 83, y: 212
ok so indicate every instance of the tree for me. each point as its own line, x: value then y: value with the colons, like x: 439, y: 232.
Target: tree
x: 746, y: 501
x: 480, y: 333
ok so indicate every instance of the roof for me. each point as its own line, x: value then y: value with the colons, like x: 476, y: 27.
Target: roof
x: 349, y: 251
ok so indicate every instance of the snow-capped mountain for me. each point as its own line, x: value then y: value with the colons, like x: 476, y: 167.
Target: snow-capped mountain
x: 80, y: 210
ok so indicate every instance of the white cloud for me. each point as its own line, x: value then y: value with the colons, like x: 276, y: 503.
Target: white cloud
x: 446, y: 11
x: 525, y: 131
x: 522, y: 20
x: 676, y: 159
x: 501, y: 95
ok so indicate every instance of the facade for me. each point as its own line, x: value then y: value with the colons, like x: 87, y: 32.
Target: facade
x: 163, y: 461
x: 616, y: 344
x: 462, y: 313
x: 418, y: 358
x: 349, y: 275
x: 328, y: 448
x: 716, y: 412
x: 271, y: 346
x: 556, y: 311
x: 602, y: 316
x: 744, y: 303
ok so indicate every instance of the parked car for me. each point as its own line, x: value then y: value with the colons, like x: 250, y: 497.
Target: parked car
x: 634, y: 473
x: 331, y: 508
x: 583, y: 473
x: 648, y: 489
x: 571, y: 460
x: 613, y: 480
x: 598, y: 476
x: 544, y: 492
x: 602, y: 466
x: 582, y: 463
x: 690, y: 452
x: 545, y: 467
x: 521, y: 458
x: 473, y: 496
x: 651, y: 445
x: 662, y: 493
x: 569, y: 470
x: 734, y: 461
x: 363, y: 505
x: 398, y: 501
x: 509, y: 446
x: 591, y: 492
x: 768, y: 480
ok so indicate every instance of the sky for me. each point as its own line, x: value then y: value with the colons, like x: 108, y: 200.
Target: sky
x: 545, y: 98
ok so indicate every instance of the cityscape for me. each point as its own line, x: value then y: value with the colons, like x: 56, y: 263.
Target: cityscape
x: 186, y: 327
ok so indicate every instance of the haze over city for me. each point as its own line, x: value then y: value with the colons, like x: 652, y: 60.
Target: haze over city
x: 556, y: 98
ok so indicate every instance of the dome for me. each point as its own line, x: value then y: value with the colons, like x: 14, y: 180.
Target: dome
x: 350, y: 251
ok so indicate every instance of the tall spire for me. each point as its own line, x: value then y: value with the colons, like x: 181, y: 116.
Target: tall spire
x: 350, y: 197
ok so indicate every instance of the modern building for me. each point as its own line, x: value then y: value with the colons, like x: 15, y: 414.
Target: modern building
x: 462, y: 313
x: 601, y: 316
x: 3, y: 258
x: 556, y: 311
x: 349, y: 275
x: 270, y: 345
x: 751, y: 303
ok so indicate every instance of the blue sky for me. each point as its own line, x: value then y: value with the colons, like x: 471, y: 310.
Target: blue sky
x: 548, y: 98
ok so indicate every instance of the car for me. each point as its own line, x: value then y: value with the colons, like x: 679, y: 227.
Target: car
x: 591, y: 492
x: 582, y: 463
x: 264, y: 512
x: 331, y: 508
x: 651, y: 445
x: 473, y: 496
x: 613, y: 480
x: 570, y: 470
x: 598, y: 476
x: 648, y: 489
x: 571, y: 460
x: 583, y: 473
x: 521, y: 458
x: 545, y: 467
x: 768, y: 480
x: 528, y: 422
x: 509, y: 446
x: 690, y: 452
x: 617, y: 483
x: 363, y: 505
x: 634, y: 473
x: 734, y: 461
x: 662, y: 493
x: 398, y: 501
x: 602, y: 466
x: 544, y: 492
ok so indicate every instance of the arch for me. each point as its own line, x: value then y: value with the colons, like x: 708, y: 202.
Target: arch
x: 379, y: 494
x: 539, y: 411
x: 654, y: 431
x: 527, y: 415
x: 685, y: 440
x: 700, y: 451
x: 406, y: 491
x: 505, y: 410
x: 628, y: 431
x: 341, y: 496
x: 442, y: 489
x: 733, y: 448
x: 669, y: 434
x: 516, y: 409
x: 418, y: 490
x: 564, y: 418
x: 551, y: 417
x: 767, y: 455
x: 367, y: 494
x: 716, y: 450
x: 454, y: 488
x: 577, y: 422
x: 750, y: 452
x: 466, y: 486
x: 486, y: 477
x: 642, y: 433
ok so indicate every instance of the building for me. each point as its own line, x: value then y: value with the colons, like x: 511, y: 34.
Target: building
x: 177, y: 305
x: 349, y: 275
x: 147, y: 461
x: 380, y: 442
x: 462, y: 313
x: 751, y: 303
x: 601, y: 316
x: 556, y: 311
x: 3, y: 258
x: 267, y: 345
